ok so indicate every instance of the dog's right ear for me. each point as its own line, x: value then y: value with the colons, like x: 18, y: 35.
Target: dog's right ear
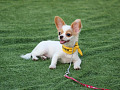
x: 59, y: 22
x: 76, y: 26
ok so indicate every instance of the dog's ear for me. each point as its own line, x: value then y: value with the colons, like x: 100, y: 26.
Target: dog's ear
x: 76, y: 26
x: 59, y: 22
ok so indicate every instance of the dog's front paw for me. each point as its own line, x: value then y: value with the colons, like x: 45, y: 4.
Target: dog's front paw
x: 77, y: 67
x: 52, y: 66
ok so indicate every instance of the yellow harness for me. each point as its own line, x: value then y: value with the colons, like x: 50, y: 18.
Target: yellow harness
x: 68, y: 50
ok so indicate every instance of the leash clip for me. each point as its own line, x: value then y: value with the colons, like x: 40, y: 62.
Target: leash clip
x: 67, y: 72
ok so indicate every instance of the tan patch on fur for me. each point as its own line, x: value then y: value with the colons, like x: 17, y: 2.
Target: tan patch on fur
x: 74, y: 33
x: 69, y: 32
x: 61, y: 31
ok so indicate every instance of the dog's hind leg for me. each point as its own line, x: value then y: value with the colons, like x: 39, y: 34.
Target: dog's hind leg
x: 38, y: 53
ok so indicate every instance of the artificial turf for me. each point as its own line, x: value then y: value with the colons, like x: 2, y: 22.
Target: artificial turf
x: 24, y: 23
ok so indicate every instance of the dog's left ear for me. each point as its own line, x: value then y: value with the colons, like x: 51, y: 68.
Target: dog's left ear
x: 76, y: 26
x: 59, y: 22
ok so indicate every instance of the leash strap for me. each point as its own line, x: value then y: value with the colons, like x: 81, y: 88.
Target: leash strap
x: 68, y: 70
x: 88, y: 86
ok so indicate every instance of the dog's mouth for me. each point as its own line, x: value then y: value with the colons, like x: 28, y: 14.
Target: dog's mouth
x: 62, y: 41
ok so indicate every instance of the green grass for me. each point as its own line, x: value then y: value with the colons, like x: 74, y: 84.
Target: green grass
x: 24, y: 23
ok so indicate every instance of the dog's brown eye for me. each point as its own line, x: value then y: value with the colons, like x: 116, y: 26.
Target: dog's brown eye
x: 68, y: 34
x: 59, y: 33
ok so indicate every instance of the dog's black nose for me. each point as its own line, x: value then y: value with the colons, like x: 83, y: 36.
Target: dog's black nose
x: 61, y: 37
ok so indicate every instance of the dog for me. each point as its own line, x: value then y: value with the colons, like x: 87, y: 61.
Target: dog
x: 68, y: 36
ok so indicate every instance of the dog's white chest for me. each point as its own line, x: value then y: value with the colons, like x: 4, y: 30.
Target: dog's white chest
x: 66, y: 58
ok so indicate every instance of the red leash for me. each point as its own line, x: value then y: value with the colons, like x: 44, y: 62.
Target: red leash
x: 88, y: 86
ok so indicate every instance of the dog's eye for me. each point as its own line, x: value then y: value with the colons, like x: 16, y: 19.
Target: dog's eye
x: 59, y: 33
x: 68, y: 34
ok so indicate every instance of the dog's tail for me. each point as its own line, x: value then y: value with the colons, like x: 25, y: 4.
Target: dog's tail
x: 26, y: 56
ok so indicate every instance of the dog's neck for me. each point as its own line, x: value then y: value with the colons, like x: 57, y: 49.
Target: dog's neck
x: 72, y: 42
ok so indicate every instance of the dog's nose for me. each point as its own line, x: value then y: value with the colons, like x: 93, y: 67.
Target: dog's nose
x: 61, y: 37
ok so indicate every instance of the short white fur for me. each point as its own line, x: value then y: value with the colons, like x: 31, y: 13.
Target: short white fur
x: 53, y: 49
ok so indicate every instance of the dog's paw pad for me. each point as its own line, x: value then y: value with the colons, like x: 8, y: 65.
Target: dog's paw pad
x: 43, y: 57
x: 52, y: 66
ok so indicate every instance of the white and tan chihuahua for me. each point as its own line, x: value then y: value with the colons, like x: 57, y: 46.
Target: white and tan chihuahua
x: 68, y: 36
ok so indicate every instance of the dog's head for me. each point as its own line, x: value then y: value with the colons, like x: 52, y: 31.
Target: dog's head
x: 67, y: 33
